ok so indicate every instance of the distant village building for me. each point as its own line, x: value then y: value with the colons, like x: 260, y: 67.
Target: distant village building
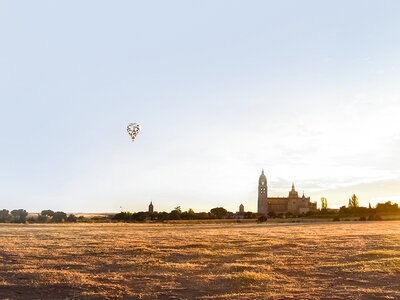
x: 151, y: 208
x: 239, y: 214
x: 278, y: 205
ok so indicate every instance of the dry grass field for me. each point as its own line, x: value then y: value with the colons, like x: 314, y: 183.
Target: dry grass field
x: 358, y: 260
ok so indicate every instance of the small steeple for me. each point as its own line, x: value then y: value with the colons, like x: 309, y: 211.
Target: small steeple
x: 151, y: 207
x: 293, y: 186
x: 263, y: 178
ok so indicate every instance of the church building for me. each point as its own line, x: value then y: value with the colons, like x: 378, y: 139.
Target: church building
x: 293, y: 203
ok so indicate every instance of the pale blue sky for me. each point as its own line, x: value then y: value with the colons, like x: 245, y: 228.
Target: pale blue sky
x: 307, y: 90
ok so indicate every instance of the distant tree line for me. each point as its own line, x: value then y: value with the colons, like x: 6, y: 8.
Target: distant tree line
x: 381, y: 209
x: 46, y: 216
x: 178, y: 214
x: 15, y: 216
x: 49, y: 216
x: 354, y: 209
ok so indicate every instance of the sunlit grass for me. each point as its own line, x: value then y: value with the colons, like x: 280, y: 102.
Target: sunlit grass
x: 250, y: 276
x: 384, y: 265
x: 219, y: 261
x: 383, y: 253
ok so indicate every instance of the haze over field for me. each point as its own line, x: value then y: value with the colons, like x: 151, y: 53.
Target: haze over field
x: 308, y: 91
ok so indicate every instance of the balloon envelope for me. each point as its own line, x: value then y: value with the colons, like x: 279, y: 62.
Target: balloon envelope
x: 133, y: 130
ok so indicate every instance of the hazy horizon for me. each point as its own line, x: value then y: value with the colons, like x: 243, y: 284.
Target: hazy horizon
x: 307, y: 91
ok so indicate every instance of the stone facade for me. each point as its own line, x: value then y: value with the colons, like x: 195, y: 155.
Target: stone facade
x: 282, y: 205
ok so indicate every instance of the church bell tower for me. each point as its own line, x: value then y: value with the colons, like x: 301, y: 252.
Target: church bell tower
x: 262, y: 195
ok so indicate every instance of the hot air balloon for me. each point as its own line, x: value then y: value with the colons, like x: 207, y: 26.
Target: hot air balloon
x: 133, y: 130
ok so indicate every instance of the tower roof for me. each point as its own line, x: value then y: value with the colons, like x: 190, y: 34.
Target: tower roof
x: 293, y: 193
x: 263, y: 178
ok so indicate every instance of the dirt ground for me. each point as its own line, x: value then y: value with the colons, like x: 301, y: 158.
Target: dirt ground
x: 358, y: 260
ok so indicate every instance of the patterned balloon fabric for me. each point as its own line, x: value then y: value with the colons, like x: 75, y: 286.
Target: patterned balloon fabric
x: 133, y: 130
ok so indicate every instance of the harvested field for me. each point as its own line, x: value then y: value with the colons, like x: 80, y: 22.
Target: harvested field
x: 360, y: 260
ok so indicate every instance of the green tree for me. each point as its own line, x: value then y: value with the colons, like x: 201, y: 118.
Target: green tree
x: 219, y: 212
x: 175, y: 214
x: 4, y: 215
x: 19, y: 215
x: 122, y: 216
x: 202, y: 216
x: 45, y: 216
x: 47, y: 213
x: 139, y: 216
x: 387, y: 207
x: 59, y: 217
x: 324, y: 204
x: 72, y: 218
x: 353, y: 201
x: 163, y: 216
x: 188, y: 215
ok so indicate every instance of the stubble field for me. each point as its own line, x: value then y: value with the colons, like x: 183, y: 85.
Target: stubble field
x: 358, y: 260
